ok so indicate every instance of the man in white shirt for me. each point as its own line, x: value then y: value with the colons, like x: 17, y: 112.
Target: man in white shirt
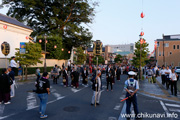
x: 173, y: 78
x: 13, y: 64
x: 167, y: 73
x: 162, y: 72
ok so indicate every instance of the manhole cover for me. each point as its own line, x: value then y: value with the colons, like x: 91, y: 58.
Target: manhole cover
x: 71, y: 109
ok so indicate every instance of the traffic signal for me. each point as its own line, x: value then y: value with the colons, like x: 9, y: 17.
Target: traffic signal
x: 5, y: 48
x: 97, y: 48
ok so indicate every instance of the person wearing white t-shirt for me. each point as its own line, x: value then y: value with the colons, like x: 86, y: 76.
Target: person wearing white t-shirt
x: 173, y: 78
x: 163, y: 77
x: 13, y: 64
x: 167, y: 73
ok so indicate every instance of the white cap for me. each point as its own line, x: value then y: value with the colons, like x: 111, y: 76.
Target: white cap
x: 131, y: 73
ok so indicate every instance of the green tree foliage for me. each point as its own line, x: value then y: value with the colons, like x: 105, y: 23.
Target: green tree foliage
x: 81, y: 57
x: 65, y: 18
x: 31, y: 57
x: 118, y: 58
x: 54, y: 53
x: 144, y: 52
x: 100, y: 60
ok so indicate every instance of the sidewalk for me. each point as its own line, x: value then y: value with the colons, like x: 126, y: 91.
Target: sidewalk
x: 158, y: 90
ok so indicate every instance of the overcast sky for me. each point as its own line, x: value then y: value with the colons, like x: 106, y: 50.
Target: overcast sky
x: 119, y: 21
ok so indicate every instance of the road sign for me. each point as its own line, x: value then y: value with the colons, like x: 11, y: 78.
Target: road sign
x: 22, y: 48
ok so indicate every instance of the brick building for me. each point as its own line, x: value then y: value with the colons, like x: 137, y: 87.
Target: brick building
x: 168, y: 50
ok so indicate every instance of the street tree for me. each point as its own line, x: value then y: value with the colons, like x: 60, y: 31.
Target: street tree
x: 65, y: 18
x: 31, y: 57
x: 118, y: 58
x: 144, y: 51
x: 100, y: 60
x: 80, y: 56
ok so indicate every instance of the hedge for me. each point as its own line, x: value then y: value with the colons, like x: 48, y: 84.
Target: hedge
x: 31, y: 70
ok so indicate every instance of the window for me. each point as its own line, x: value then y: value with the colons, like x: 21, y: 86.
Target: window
x: 172, y: 64
x: 174, y: 46
x: 179, y: 64
x: 159, y: 53
x: 157, y: 44
x: 166, y: 44
x: 170, y: 53
x: 177, y: 46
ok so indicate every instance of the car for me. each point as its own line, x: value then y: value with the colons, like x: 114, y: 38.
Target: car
x: 177, y: 69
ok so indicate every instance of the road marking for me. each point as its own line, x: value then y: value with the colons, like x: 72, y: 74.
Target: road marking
x: 123, y: 111
x: 172, y: 105
x: 117, y: 107
x: 75, y: 90
x: 164, y: 107
x: 31, y: 101
x: 1, y: 118
x: 112, y: 118
x: 2, y: 107
x: 174, y: 110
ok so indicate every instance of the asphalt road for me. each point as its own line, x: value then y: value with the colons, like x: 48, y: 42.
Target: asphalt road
x: 74, y: 104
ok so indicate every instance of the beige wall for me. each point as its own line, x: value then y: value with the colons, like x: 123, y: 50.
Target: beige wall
x: 170, y: 59
x: 49, y: 63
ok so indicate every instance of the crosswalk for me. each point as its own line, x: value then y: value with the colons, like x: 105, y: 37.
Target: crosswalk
x: 172, y: 110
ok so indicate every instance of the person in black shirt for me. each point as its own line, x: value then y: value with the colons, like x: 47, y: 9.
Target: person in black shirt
x: 4, y: 87
x: 43, y: 89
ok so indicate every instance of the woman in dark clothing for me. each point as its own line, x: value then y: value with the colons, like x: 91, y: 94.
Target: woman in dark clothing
x: 5, y: 87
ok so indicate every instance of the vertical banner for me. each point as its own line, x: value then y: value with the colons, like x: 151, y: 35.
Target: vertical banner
x: 22, y: 48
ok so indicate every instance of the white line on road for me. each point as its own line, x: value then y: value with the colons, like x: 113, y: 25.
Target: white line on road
x: 123, y: 111
x: 172, y: 105
x: 174, y: 110
x: 118, y: 106
x: 2, y: 107
x: 31, y: 101
x: 1, y: 118
x: 164, y: 107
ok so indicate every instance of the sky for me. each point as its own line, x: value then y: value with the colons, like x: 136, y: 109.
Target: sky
x: 119, y: 21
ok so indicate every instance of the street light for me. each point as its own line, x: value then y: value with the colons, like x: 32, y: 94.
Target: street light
x: 45, y: 36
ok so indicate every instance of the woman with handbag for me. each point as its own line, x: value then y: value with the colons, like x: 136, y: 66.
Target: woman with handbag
x: 5, y: 88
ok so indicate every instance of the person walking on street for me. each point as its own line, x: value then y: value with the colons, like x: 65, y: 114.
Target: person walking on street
x: 167, y: 73
x: 13, y: 64
x: 109, y: 77
x: 162, y: 73
x: 97, y: 90
x: 173, y: 77
x: 65, y: 77
x: 20, y: 72
x: 55, y: 73
x: 38, y: 74
x: 131, y: 87
x: 11, y: 75
x: 5, y: 87
x: 85, y: 76
x: 43, y: 90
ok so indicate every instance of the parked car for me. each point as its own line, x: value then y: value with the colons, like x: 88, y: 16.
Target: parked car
x: 177, y: 69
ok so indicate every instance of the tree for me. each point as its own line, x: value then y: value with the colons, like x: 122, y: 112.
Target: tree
x: 144, y: 52
x: 31, y: 57
x: 100, y: 60
x: 65, y: 18
x: 118, y: 58
x: 81, y: 57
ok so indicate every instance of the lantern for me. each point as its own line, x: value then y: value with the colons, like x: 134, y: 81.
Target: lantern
x: 62, y: 49
x: 55, y: 46
x: 142, y: 15
x: 142, y: 33
x: 144, y: 41
x: 27, y: 37
x: 5, y: 48
x: 74, y: 52
x: 5, y: 26
x: 46, y: 41
x: 40, y: 41
x: 141, y: 41
x: 69, y: 52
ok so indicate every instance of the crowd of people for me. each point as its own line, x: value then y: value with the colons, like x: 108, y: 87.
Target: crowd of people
x: 168, y: 76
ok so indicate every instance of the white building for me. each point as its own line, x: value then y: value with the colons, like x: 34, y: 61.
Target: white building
x: 12, y: 32
x: 122, y: 48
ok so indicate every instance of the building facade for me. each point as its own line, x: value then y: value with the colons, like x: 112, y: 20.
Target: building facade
x: 168, y: 50
x: 12, y: 32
